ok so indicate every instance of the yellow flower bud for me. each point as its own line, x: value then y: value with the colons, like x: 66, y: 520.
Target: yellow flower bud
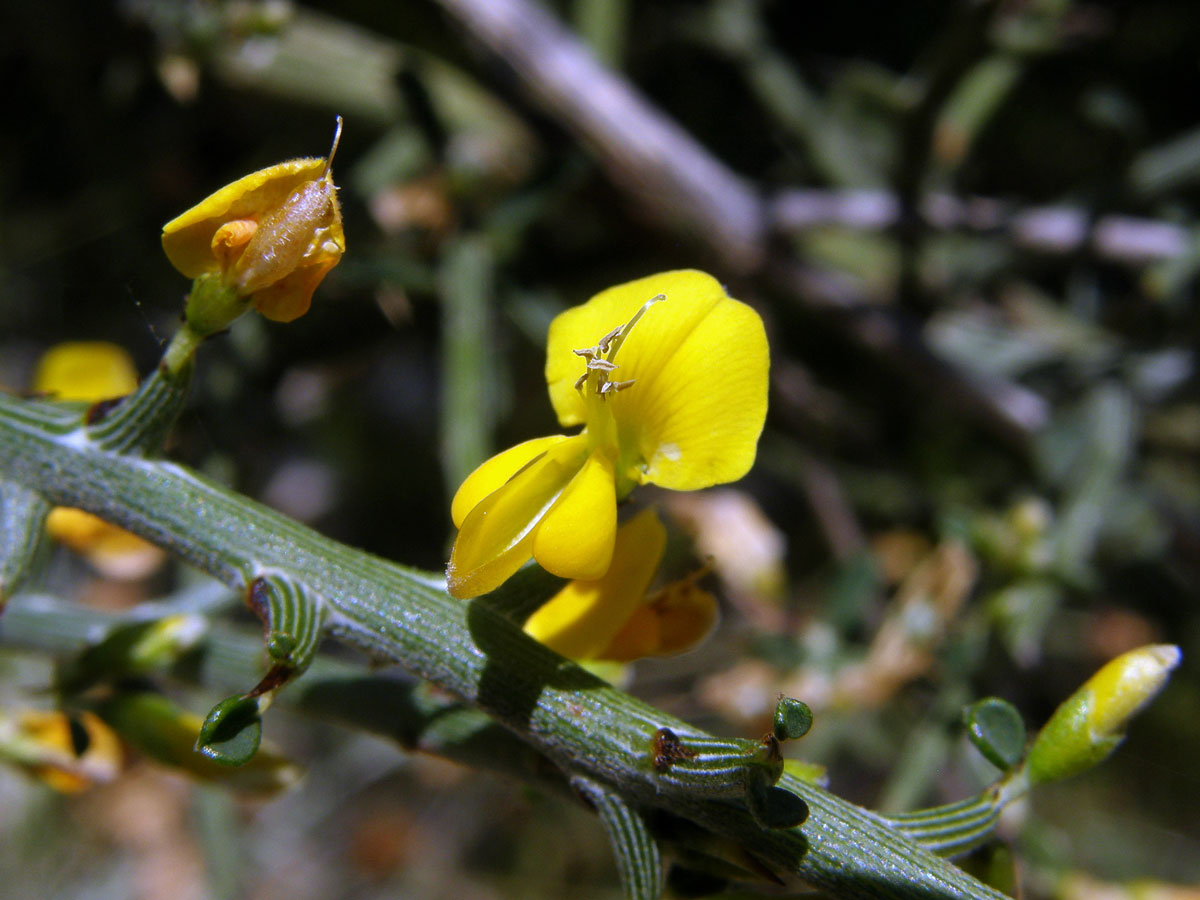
x: 1090, y: 724
x: 269, y: 237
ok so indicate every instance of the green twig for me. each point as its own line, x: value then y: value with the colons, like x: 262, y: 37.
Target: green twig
x: 581, y: 724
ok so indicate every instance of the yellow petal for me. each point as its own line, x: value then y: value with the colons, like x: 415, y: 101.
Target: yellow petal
x: 675, y: 619
x: 85, y: 370
x: 496, y: 537
x: 695, y: 416
x: 187, y: 239
x: 699, y: 362
x: 581, y: 619
x: 575, y: 539
x: 493, y: 473
x: 112, y: 550
x: 290, y: 297
x: 638, y: 638
x: 690, y: 295
x: 69, y: 759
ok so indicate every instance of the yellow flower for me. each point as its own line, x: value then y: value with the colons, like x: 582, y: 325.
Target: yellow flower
x: 271, y: 236
x: 85, y: 370
x: 668, y: 376
x: 612, y: 618
x: 92, y: 371
x: 67, y: 753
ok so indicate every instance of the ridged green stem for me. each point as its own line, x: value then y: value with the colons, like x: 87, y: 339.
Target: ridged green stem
x: 582, y: 724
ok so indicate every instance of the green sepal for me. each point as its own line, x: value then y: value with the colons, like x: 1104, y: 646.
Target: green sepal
x: 232, y: 731
x: 213, y: 306
x: 22, y: 526
x: 995, y: 728
x: 638, y: 860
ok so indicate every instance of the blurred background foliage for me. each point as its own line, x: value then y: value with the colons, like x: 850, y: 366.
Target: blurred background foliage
x: 972, y: 234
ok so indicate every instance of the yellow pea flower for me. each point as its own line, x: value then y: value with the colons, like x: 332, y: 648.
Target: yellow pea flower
x: 612, y: 618
x: 668, y: 376
x: 85, y: 370
x: 271, y: 236
x: 67, y: 753
x: 92, y: 371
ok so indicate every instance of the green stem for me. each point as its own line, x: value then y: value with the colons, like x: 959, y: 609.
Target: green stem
x: 583, y: 725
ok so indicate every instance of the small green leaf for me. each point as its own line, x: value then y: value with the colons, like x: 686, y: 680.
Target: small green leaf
x: 793, y: 719
x: 232, y: 731
x: 995, y: 728
x: 774, y: 807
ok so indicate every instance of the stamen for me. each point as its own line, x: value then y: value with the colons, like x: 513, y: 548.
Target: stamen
x: 602, y: 346
x: 608, y: 346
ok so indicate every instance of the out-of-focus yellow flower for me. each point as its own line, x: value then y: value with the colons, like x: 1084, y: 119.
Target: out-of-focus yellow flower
x: 92, y: 371
x: 270, y: 236
x: 67, y: 753
x: 112, y: 550
x: 612, y: 618
x: 85, y: 370
x: 1089, y: 724
x: 668, y: 376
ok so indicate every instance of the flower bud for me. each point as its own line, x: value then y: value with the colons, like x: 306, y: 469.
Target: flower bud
x: 268, y: 238
x: 1090, y: 724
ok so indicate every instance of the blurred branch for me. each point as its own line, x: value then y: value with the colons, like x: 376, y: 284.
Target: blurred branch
x: 1045, y: 229
x: 663, y: 168
x: 1004, y: 407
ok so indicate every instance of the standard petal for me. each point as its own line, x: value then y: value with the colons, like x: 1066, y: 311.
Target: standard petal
x: 695, y: 414
x: 187, y: 239
x: 494, y: 472
x: 581, y: 619
x: 690, y: 295
x: 575, y: 539
x: 496, y: 537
